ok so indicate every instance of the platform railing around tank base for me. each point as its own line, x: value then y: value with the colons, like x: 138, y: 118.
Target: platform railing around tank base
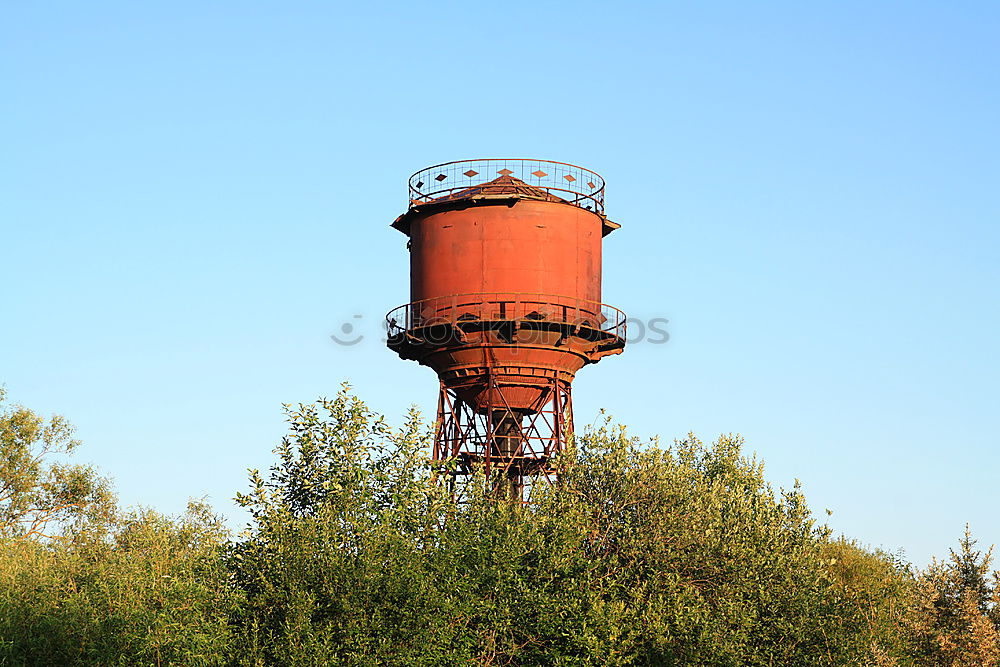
x: 506, y: 307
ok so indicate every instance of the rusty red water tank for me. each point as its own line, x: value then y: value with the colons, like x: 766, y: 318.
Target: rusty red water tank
x: 505, y: 279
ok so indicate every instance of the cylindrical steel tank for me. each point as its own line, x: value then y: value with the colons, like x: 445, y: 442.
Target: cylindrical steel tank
x: 532, y: 247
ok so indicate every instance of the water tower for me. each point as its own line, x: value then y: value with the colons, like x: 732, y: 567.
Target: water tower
x: 505, y: 306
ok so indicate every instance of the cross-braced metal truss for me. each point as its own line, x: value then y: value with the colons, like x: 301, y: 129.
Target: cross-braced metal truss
x: 515, y: 448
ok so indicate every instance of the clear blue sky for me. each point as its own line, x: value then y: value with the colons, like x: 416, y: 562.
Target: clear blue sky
x: 193, y: 196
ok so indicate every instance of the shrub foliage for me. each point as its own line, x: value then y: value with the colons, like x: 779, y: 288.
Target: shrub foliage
x: 355, y: 554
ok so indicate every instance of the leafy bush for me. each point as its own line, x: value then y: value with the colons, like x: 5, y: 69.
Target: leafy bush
x: 154, y: 592
x: 356, y: 554
x: 641, y: 555
x: 82, y: 583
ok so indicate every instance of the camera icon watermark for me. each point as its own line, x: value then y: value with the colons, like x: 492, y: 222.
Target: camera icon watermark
x: 349, y: 335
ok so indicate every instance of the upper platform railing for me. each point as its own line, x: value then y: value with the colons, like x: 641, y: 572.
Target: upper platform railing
x: 574, y: 185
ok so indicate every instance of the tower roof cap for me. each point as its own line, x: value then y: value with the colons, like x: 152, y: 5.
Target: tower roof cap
x: 542, y: 180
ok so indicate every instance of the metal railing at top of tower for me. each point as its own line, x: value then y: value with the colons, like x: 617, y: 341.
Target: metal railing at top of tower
x: 506, y: 307
x: 572, y: 184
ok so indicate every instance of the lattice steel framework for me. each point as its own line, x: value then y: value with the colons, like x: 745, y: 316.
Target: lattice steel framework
x: 515, y: 448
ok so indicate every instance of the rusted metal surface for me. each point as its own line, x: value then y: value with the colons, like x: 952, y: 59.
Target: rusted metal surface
x: 505, y: 306
x: 531, y: 247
